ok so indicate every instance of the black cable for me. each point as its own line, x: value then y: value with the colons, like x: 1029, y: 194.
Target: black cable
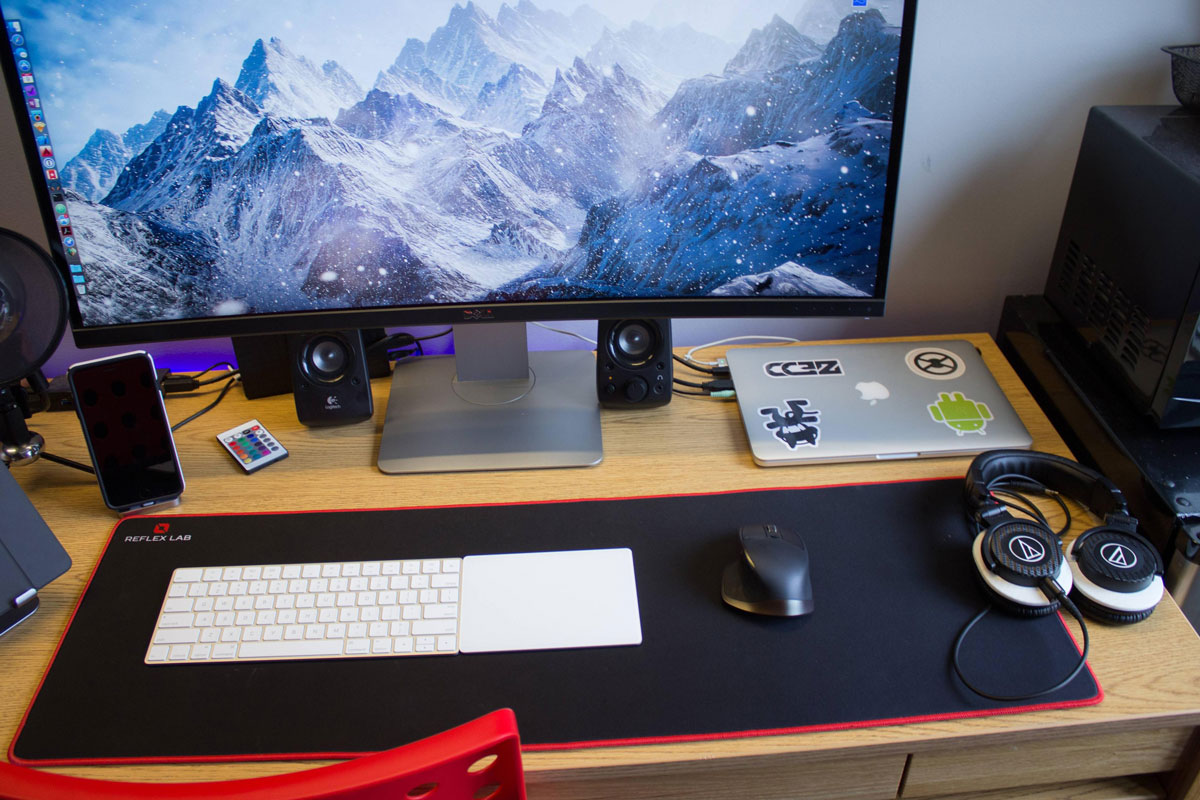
x: 1010, y: 486
x: 231, y: 366
x: 692, y: 384
x: 66, y: 462
x: 237, y: 373
x: 207, y: 408
x: 1071, y: 609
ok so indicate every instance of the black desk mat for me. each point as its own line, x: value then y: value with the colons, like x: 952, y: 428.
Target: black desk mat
x: 892, y: 580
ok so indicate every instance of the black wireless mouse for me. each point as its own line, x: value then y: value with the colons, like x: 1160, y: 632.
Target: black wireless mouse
x: 772, y: 574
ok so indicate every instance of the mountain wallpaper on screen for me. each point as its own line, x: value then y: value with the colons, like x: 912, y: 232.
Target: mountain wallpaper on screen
x: 531, y: 155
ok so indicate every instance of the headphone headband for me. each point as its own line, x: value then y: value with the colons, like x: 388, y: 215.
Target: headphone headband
x: 1084, y: 485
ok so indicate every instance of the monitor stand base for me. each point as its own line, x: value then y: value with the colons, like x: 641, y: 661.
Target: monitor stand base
x: 439, y: 423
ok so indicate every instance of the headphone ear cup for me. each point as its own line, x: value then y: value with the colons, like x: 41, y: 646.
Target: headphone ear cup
x: 1011, y: 561
x: 1117, y: 575
x: 1017, y: 609
x: 1103, y: 613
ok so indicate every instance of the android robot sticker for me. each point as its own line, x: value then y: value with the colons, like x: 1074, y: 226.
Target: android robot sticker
x: 960, y: 413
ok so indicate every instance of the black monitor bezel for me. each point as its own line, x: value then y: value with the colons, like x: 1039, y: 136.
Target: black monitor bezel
x: 453, y: 314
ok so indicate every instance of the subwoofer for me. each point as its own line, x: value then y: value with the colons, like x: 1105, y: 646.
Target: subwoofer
x: 633, y: 363
x: 329, y: 378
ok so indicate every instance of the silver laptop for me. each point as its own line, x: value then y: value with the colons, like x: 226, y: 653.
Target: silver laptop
x: 868, y: 401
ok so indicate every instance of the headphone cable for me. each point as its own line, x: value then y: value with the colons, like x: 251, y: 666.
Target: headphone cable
x: 1051, y: 587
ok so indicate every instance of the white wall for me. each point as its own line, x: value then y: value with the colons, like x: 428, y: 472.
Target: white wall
x: 999, y: 93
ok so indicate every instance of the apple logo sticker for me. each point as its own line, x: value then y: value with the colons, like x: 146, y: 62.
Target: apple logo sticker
x: 872, y: 390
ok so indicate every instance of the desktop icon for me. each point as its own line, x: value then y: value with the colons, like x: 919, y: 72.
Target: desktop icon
x: 17, y: 40
x: 34, y: 103
x: 64, y: 223
x: 69, y: 241
x: 43, y: 139
x: 72, y: 252
x: 40, y: 126
x: 26, y: 79
x: 22, y: 54
x: 45, y: 152
x: 24, y: 66
x: 51, y: 174
x: 36, y: 116
x: 60, y: 208
x: 48, y: 163
x: 31, y: 91
x: 14, y: 26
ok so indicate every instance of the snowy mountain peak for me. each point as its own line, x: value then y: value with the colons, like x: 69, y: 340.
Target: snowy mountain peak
x: 93, y: 171
x: 771, y: 47
x: 511, y: 102
x: 820, y: 19
x: 223, y: 97
x: 381, y: 115
x: 289, y: 85
x: 470, y: 14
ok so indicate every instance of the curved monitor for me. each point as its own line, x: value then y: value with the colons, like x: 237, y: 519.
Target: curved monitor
x: 226, y: 168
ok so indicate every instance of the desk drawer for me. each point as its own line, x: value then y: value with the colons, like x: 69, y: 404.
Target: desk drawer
x: 783, y: 777
x: 969, y: 769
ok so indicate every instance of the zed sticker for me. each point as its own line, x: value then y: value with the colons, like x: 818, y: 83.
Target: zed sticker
x: 797, y: 426
x: 935, y: 363
x: 960, y: 414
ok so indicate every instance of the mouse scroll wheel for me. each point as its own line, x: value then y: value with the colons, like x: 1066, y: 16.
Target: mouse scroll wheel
x: 772, y: 531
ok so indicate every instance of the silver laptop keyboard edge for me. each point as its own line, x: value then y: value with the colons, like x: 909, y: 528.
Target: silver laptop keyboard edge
x: 319, y: 610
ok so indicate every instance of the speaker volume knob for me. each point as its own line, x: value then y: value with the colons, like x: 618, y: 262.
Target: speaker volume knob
x: 636, y: 389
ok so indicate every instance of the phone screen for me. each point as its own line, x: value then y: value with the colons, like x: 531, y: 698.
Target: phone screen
x: 126, y: 429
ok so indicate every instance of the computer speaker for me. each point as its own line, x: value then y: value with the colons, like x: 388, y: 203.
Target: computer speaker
x: 329, y: 378
x: 633, y: 363
x: 264, y: 361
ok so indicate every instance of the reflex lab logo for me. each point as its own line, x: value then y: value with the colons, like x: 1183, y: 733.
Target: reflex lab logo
x: 162, y: 527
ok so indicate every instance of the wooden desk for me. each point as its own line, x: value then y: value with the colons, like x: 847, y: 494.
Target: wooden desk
x: 1142, y: 741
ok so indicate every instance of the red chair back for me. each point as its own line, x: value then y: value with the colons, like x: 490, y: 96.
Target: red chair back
x: 475, y: 761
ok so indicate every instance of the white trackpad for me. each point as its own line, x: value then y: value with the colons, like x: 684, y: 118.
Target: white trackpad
x: 545, y: 601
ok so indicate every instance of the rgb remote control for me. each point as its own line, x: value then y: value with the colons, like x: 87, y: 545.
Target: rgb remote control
x: 252, y: 445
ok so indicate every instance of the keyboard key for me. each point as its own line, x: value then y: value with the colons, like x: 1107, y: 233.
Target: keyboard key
x: 184, y: 636
x: 435, y: 626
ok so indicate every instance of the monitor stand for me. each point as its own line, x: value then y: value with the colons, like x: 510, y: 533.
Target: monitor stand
x: 494, y: 405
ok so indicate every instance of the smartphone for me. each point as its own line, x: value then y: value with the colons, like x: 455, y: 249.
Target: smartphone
x: 125, y: 425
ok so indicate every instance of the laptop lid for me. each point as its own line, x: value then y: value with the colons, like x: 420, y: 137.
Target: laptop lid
x: 871, y: 400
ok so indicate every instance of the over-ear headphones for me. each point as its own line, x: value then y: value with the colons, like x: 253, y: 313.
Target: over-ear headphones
x: 1110, y: 572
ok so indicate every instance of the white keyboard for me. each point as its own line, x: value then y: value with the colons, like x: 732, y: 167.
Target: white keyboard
x: 309, y: 611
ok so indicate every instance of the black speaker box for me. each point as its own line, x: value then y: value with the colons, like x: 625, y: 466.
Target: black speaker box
x: 633, y: 363
x: 265, y: 362
x: 330, y: 378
